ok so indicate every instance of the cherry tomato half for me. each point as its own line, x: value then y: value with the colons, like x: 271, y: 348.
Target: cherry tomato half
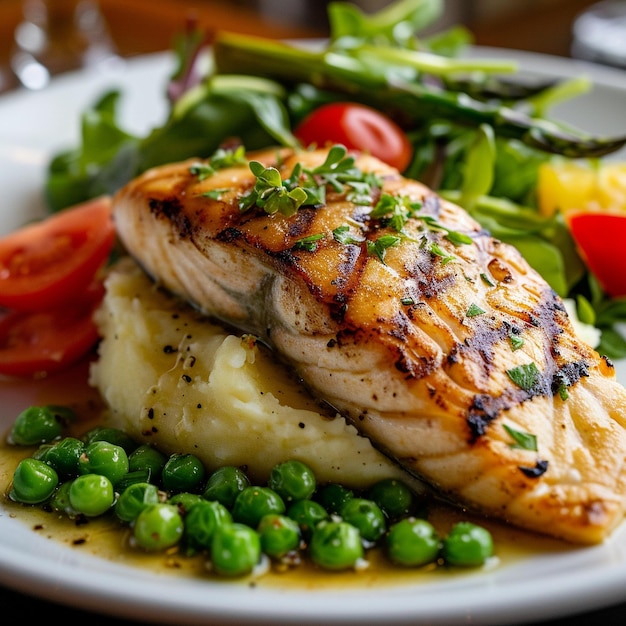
x: 38, y: 343
x: 600, y: 238
x: 357, y: 127
x: 44, y: 264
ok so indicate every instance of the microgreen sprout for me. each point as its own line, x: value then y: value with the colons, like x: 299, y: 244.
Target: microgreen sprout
x: 270, y: 194
x: 307, y: 187
x: 221, y: 159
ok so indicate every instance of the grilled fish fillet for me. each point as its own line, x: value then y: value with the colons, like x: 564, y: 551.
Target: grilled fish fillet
x: 451, y: 357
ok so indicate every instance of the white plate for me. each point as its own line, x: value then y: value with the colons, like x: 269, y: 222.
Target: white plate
x: 35, y: 125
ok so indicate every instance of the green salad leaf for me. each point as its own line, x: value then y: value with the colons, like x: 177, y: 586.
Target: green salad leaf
x: 479, y: 130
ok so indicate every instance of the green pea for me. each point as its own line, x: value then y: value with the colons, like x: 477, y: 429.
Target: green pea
x: 308, y: 514
x: 467, y: 545
x: 279, y: 535
x: 336, y: 545
x: 225, y: 484
x: 91, y: 494
x: 115, y: 436
x: 132, y: 478
x: 255, y: 502
x: 367, y: 516
x: 60, y: 500
x: 33, y: 481
x: 37, y: 425
x: 393, y: 496
x: 333, y: 496
x: 158, y: 527
x: 183, y: 472
x: 41, y: 452
x: 104, y: 458
x: 412, y: 542
x: 292, y: 480
x: 64, y: 456
x: 185, y: 501
x: 235, y: 550
x: 134, y: 499
x: 202, y: 522
x: 147, y: 457
x: 64, y: 414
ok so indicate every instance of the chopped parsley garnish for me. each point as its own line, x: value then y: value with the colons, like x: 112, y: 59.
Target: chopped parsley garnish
x: 525, y: 441
x: 395, y: 211
x: 308, y: 243
x: 524, y: 376
x: 454, y: 236
x: 201, y: 170
x: 487, y: 280
x: 361, y: 190
x: 342, y: 235
x: 563, y: 392
x: 215, y: 194
x: 437, y: 250
x: 380, y: 246
x: 561, y: 381
x: 474, y: 310
x: 516, y: 341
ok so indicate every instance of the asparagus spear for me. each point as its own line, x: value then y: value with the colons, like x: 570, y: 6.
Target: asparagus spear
x: 391, y: 78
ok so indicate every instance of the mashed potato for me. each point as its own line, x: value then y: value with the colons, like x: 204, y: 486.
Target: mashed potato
x: 171, y: 377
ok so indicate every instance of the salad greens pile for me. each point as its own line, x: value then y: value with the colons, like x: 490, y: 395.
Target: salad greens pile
x: 479, y: 129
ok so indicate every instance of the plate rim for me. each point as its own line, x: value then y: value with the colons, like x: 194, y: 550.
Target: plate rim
x: 23, y: 576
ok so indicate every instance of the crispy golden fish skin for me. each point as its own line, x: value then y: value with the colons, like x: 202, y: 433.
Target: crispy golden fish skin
x: 421, y: 352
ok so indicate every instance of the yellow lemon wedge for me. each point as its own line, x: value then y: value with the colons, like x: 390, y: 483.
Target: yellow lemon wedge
x: 574, y: 186
x: 592, y: 198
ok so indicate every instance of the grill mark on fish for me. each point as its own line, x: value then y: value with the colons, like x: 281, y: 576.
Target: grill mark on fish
x: 427, y: 383
x: 172, y: 210
x: 229, y: 235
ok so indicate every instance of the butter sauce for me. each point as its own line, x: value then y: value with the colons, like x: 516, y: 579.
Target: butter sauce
x: 107, y: 538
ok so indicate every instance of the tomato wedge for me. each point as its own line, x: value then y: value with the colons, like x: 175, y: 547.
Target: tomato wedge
x: 357, y: 127
x: 600, y: 238
x: 44, y: 265
x: 38, y: 343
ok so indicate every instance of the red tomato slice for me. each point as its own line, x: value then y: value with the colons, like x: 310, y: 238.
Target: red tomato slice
x: 38, y: 343
x: 357, y: 127
x: 600, y: 238
x: 44, y: 265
